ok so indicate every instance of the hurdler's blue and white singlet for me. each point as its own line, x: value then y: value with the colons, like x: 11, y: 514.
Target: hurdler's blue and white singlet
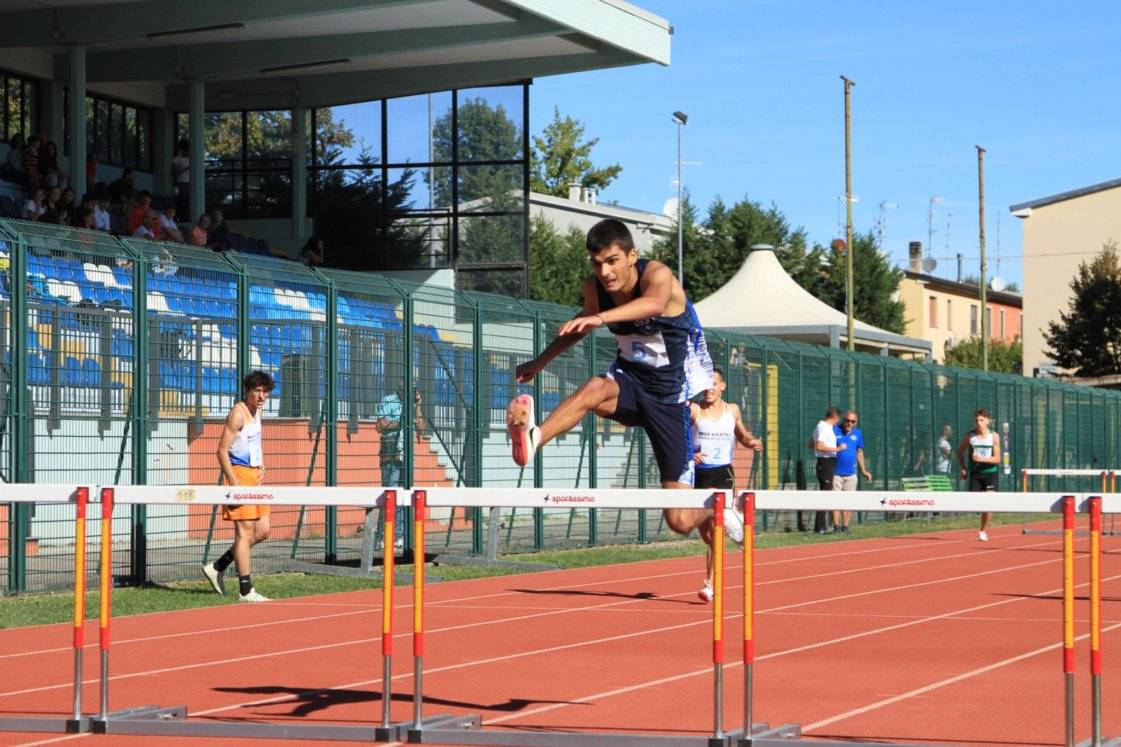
x: 665, y: 355
x: 245, y: 451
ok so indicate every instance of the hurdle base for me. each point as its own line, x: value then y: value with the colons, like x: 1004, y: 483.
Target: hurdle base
x: 466, y: 730
x: 45, y: 724
x: 347, y: 570
x: 1106, y: 742
x: 147, y: 714
x: 765, y: 734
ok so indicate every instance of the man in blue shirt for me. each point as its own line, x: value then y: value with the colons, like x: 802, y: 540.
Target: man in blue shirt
x: 844, y: 476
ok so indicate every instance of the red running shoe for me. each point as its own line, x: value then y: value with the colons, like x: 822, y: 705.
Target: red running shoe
x: 524, y: 433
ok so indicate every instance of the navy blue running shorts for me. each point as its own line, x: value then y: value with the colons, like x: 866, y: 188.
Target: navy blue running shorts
x: 667, y: 426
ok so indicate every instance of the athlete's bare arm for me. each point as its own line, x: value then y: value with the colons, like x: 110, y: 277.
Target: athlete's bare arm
x: 743, y: 433
x: 661, y: 296
x: 563, y: 341
x: 235, y: 421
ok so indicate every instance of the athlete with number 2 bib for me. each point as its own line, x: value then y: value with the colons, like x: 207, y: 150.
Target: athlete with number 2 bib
x: 662, y: 363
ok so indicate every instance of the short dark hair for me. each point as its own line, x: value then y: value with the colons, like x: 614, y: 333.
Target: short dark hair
x: 832, y: 412
x: 719, y: 370
x: 983, y: 411
x: 255, y: 379
x: 143, y: 193
x: 607, y: 233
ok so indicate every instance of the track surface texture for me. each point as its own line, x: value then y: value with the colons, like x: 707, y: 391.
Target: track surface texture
x: 924, y: 638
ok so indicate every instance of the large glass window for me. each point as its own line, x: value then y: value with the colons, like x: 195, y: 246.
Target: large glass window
x: 119, y: 132
x: 20, y: 109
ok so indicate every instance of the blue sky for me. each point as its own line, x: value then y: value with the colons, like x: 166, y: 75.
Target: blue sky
x: 1035, y: 83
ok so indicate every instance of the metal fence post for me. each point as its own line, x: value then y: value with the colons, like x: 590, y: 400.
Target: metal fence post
x: 331, y: 413
x: 538, y: 458
x: 408, y: 411
x: 19, y: 419
x: 138, y: 548
x: 478, y: 422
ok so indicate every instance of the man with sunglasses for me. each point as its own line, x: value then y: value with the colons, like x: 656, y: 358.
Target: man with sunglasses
x: 844, y: 474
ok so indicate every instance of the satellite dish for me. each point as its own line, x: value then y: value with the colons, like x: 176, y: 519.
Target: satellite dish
x: 998, y: 284
x: 669, y: 209
x: 929, y: 264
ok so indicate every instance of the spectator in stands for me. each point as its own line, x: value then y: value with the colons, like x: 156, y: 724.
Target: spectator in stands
x: 91, y: 167
x: 149, y: 222
x: 140, y: 208
x: 200, y: 234
x: 169, y: 229
x: 122, y: 189
x: 101, y: 211
x: 945, y: 450
x: 84, y: 218
x: 36, y: 206
x: 181, y: 174
x: 69, y: 201
x: 313, y: 252
x: 219, y: 231
x: 31, y: 163
x: 53, y: 176
x: 12, y: 168
x: 56, y: 210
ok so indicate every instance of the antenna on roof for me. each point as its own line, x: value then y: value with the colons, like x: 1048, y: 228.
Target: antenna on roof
x: 930, y: 215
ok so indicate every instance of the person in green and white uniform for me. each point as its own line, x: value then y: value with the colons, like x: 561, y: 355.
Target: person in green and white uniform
x: 979, y: 459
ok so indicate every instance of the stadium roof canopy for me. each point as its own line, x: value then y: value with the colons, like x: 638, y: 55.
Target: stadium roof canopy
x: 279, y: 54
x: 762, y: 299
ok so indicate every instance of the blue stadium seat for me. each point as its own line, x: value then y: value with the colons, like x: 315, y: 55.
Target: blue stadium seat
x: 91, y: 372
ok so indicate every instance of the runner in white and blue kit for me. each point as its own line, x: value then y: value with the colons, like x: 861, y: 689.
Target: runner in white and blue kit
x: 662, y: 362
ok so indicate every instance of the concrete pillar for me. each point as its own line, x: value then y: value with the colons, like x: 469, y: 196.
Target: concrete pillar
x: 78, y: 118
x: 163, y: 148
x: 196, y: 96
x: 51, y: 116
x: 299, y: 174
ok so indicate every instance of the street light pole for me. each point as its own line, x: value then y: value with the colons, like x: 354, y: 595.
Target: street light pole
x: 984, y: 264
x: 680, y: 118
x: 848, y: 215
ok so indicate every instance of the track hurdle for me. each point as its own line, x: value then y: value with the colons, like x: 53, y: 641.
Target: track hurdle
x: 1096, y: 507
x: 173, y: 721
x: 948, y: 502
x: 467, y: 730
x: 1107, y: 484
x: 79, y: 496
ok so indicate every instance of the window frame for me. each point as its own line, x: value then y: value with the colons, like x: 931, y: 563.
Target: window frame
x: 29, y: 94
x: 142, y: 124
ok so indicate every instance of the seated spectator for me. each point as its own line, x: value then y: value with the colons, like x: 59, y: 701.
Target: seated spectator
x: 313, y: 252
x: 53, y: 176
x: 12, y: 168
x: 122, y: 189
x: 200, y: 234
x: 140, y: 208
x: 84, y: 218
x: 69, y: 200
x: 149, y: 222
x: 56, y: 211
x: 31, y: 163
x: 219, y: 231
x: 181, y: 175
x: 101, y: 211
x: 91, y: 166
x: 169, y: 229
x: 36, y: 206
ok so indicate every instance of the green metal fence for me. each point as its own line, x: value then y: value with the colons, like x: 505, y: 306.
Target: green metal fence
x: 127, y: 355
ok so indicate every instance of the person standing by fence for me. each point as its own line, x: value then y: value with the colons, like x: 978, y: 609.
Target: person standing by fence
x: 848, y: 459
x: 242, y: 463
x: 979, y: 458
x: 825, y: 446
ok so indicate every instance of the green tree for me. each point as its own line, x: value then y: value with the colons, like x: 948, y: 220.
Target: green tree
x: 561, y: 155
x: 559, y: 263
x: 875, y: 284
x: 716, y: 249
x: 1087, y: 337
x: 1004, y: 357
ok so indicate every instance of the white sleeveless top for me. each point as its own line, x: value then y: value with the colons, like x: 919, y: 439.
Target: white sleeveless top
x: 245, y: 451
x: 715, y: 438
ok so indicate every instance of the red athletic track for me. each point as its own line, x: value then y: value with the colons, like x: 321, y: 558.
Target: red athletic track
x: 933, y: 637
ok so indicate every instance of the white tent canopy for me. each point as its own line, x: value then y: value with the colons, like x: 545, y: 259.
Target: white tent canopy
x: 761, y: 299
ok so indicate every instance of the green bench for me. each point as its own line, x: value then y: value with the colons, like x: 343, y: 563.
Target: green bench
x: 939, y: 483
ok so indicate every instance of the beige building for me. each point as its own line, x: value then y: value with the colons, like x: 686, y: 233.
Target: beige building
x: 582, y: 210
x: 1059, y: 232
x: 946, y: 312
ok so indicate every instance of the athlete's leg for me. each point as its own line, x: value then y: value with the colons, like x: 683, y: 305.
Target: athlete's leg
x: 598, y: 395
x: 243, y: 541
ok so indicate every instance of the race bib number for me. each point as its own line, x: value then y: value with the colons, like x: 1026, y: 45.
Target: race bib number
x: 649, y: 350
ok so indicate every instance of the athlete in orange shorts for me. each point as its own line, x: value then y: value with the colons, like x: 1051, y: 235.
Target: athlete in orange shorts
x: 242, y: 463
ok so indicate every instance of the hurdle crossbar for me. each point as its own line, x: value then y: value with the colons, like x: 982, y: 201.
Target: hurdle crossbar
x: 467, y: 730
x: 167, y: 721
x: 1107, y: 484
x: 79, y: 497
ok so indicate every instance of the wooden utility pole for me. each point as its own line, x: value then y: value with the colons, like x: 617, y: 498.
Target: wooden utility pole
x: 984, y: 265
x: 849, y: 301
